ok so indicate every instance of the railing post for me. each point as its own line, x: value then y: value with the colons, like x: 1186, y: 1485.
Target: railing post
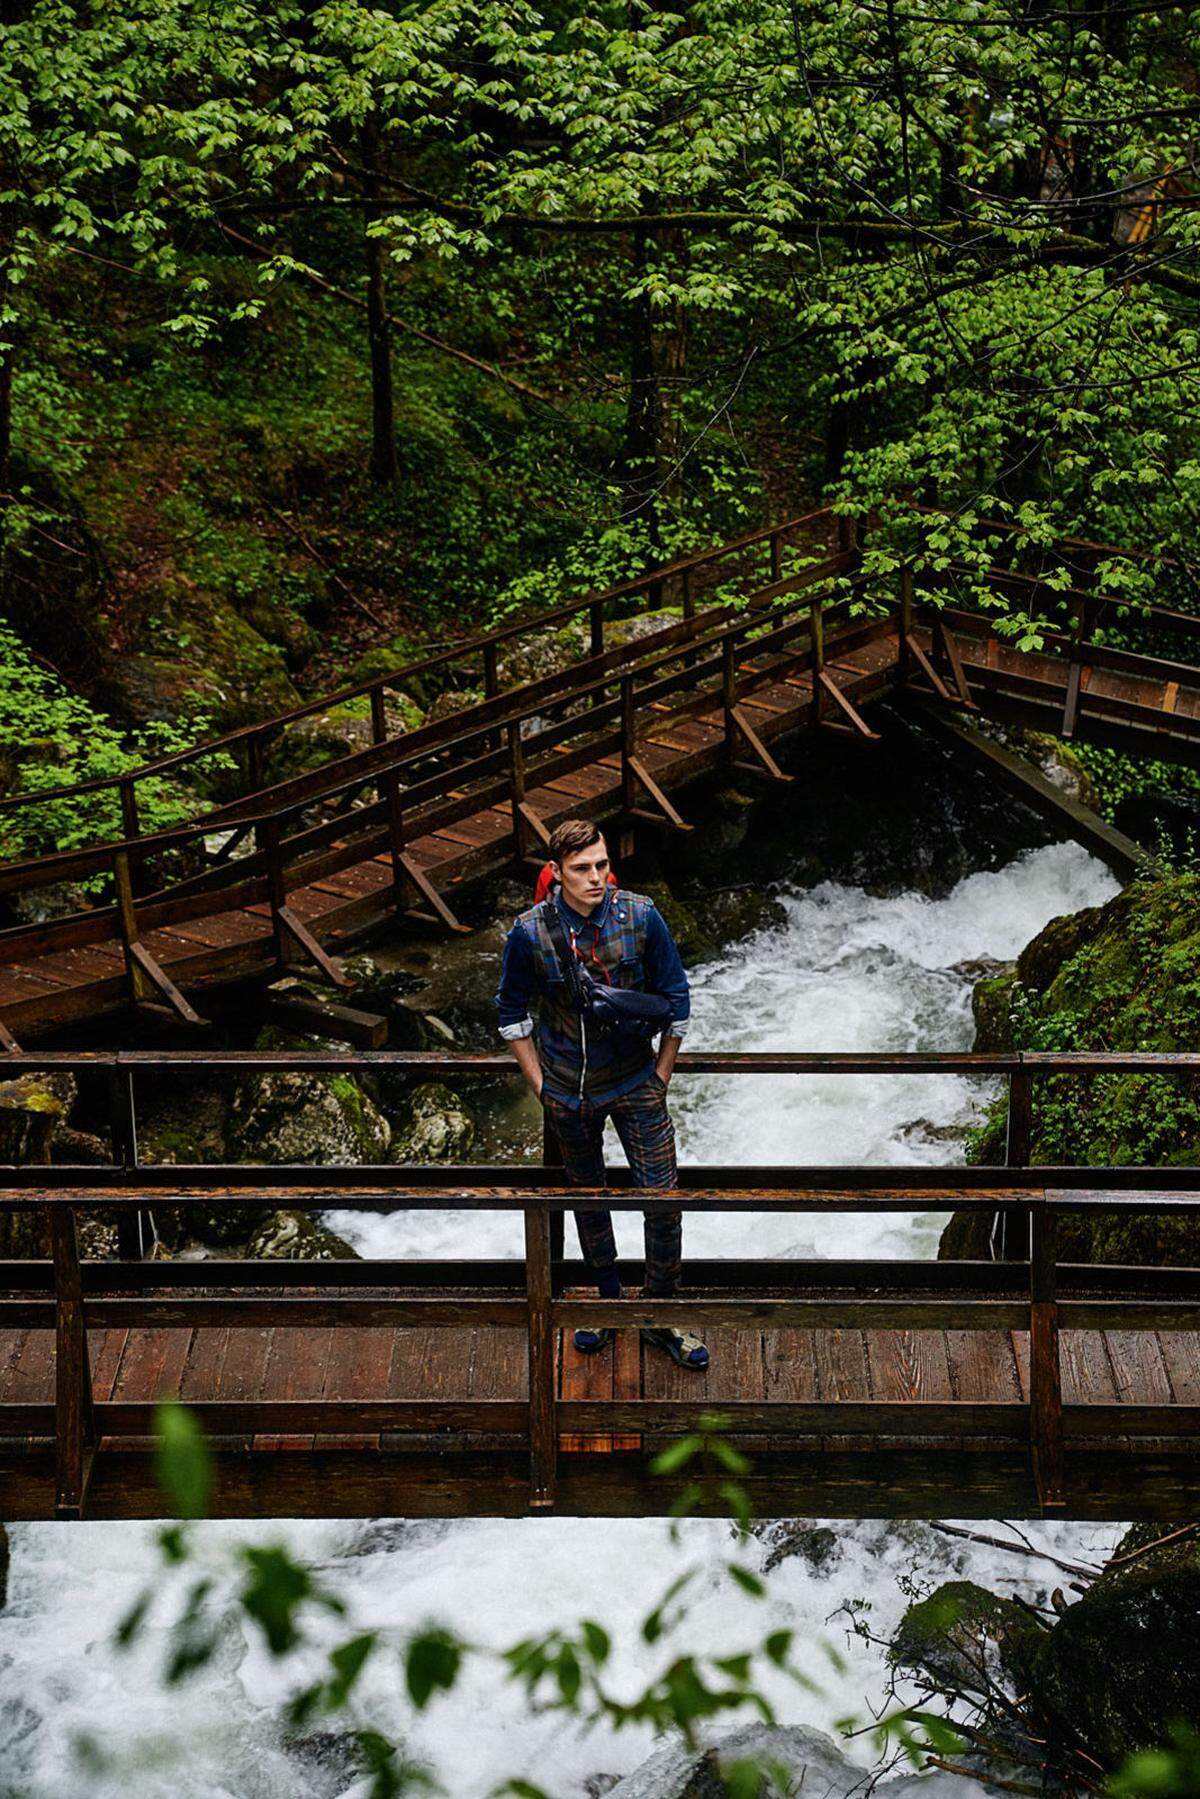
x: 276, y: 885
x: 74, y: 1423
x: 516, y: 766
x: 139, y: 987
x: 491, y: 686
x: 628, y: 743
x: 378, y: 716
x: 816, y: 631
x: 686, y: 593
x: 728, y: 694
x: 1075, y: 669
x: 1010, y: 1229
x: 1045, y: 1364
x: 543, y: 1446
x: 491, y: 670
x: 254, y: 762
x: 596, y: 625
x: 130, y: 825
x: 776, y: 557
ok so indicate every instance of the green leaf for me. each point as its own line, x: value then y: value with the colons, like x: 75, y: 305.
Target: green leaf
x: 748, y: 1581
x: 431, y: 1666
x: 182, y: 1463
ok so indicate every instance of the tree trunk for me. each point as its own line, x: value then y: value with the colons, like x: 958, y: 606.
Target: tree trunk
x: 383, y: 406
x: 642, y: 417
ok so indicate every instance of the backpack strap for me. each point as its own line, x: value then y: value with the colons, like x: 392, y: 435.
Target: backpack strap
x: 552, y: 919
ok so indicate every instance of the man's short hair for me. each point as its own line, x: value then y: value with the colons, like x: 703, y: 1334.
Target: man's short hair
x: 571, y: 836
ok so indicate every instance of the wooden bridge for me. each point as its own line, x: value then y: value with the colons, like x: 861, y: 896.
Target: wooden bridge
x: 776, y: 633
x: 970, y: 1388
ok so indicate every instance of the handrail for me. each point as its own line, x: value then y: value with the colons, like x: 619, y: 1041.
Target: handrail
x: 455, y: 653
x: 778, y: 1299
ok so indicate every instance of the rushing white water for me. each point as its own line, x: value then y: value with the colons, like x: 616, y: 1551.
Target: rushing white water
x: 846, y: 972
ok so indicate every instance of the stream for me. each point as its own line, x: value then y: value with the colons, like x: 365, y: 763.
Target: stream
x: 847, y: 971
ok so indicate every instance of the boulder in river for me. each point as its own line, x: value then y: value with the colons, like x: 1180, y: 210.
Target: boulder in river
x: 439, y: 1127
x: 813, y: 1762
x: 325, y: 1120
x: 287, y: 1236
x: 1115, y: 1673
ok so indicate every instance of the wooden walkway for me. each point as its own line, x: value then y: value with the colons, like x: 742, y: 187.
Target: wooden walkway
x: 288, y: 873
x: 1010, y: 1387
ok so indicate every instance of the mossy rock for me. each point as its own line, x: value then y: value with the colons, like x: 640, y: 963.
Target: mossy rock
x: 991, y: 1005
x: 1123, y: 1663
x: 960, y: 1628
x: 306, y: 1120
x: 337, y: 731
x: 731, y: 914
x: 693, y: 941
x: 287, y: 1236
x: 32, y: 1110
x: 438, y: 1128
x: 197, y: 653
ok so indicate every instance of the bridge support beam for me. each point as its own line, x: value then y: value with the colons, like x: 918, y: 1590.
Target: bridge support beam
x: 74, y: 1431
x: 543, y: 1435
x: 1045, y: 1365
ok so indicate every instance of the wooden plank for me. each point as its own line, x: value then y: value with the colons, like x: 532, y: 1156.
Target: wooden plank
x: 1181, y: 1357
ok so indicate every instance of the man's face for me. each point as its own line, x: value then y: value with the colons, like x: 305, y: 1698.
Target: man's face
x: 584, y: 876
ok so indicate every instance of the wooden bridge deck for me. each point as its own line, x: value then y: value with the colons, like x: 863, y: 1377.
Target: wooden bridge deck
x: 404, y: 1471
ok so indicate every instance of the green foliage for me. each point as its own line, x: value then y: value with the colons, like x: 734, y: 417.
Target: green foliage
x: 51, y: 738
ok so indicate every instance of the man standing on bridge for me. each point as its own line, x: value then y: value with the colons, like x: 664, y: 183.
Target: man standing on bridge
x: 607, y: 976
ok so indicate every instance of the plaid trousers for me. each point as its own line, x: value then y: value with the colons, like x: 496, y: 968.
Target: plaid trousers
x: 648, y: 1138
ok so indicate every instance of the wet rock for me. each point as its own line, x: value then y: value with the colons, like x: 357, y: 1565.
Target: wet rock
x: 924, y: 1130
x: 438, y: 1127
x: 185, y: 1126
x: 32, y: 1108
x: 287, y: 1236
x: 731, y: 914
x: 1060, y: 764
x: 814, y: 1760
x: 1123, y: 1663
x: 692, y: 939
x: 78, y: 1149
x: 991, y: 1006
x: 322, y: 1120
x: 962, y: 1636
x: 788, y: 1538
x: 327, y: 1761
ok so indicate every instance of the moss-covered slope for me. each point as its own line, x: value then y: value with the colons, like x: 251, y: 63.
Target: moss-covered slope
x: 1123, y: 976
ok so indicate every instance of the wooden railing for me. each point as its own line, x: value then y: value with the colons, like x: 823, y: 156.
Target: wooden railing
x: 1033, y: 1294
